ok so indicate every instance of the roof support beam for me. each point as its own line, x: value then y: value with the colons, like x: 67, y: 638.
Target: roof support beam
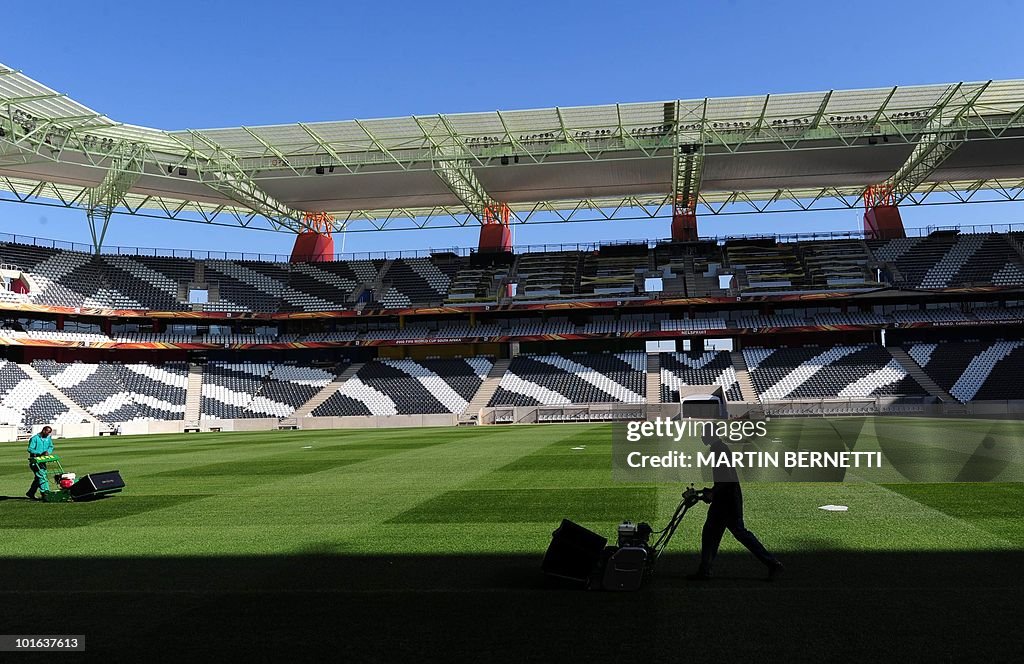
x: 221, y: 172
x: 687, y: 167
x: 943, y: 134
x: 455, y: 168
x: 125, y: 169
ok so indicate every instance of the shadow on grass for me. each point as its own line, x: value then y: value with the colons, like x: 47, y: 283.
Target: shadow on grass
x: 830, y: 605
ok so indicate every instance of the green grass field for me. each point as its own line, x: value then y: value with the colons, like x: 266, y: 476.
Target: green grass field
x: 427, y: 543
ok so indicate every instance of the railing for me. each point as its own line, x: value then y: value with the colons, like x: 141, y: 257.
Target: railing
x: 205, y: 254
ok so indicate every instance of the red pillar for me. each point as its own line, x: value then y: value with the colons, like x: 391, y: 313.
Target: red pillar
x: 684, y: 226
x: 495, y: 235
x: 882, y: 219
x: 883, y: 222
x: 311, y: 246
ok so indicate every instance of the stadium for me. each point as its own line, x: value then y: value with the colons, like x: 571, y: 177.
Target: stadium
x: 367, y: 451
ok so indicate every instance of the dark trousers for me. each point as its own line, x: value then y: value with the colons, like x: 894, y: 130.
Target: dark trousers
x: 39, y: 479
x: 726, y: 512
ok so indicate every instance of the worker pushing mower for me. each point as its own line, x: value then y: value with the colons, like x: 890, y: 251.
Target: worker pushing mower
x: 40, y: 453
x: 40, y: 448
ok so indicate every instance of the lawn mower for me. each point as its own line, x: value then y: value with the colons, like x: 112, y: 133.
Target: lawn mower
x: 583, y: 557
x: 72, y: 488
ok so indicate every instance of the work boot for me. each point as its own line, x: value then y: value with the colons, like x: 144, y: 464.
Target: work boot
x: 775, y: 569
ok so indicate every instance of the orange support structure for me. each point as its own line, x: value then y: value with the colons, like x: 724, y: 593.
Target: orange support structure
x: 684, y: 226
x: 495, y: 235
x: 316, y: 244
x: 882, y: 220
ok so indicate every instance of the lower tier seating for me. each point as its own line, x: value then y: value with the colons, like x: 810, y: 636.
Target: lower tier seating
x: 288, y: 386
x: 974, y: 371
x: 115, y: 392
x: 708, y: 368
x: 237, y: 390
x: 578, y: 378
x: 827, y: 372
x: 408, y: 387
x: 24, y: 402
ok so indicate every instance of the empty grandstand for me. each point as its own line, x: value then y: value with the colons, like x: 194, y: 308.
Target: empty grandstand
x: 407, y: 387
x: 580, y: 378
x: 709, y: 368
x: 974, y: 370
x: 108, y: 337
x: 818, y: 372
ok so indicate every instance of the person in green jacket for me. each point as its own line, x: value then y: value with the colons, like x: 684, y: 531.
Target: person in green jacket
x: 39, y: 445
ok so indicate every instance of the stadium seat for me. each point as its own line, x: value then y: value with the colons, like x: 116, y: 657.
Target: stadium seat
x: 827, y: 372
x: 974, y: 370
x: 579, y: 378
x: 408, y: 387
x: 707, y: 368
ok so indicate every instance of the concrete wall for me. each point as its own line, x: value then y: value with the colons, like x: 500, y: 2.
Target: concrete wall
x: 536, y: 414
x: 378, y: 422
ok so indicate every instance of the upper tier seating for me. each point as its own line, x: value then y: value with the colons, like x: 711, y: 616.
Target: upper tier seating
x: 65, y: 278
x: 707, y: 368
x: 246, y: 285
x: 947, y: 259
x: 329, y: 285
x: 471, y: 284
x: 974, y: 370
x: 56, y: 277
x: 827, y: 372
x: 611, y: 274
x: 573, y: 379
x: 837, y: 263
x: 542, y: 275
x: 152, y: 282
x: 421, y: 281
x: 765, y: 266
x: 689, y: 268
x: 408, y: 387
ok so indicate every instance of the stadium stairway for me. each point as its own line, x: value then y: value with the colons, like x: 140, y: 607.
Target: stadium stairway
x: 57, y: 394
x: 743, y: 377
x: 306, y: 409
x: 919, y: 374
x: 486, y: 391
x: 653, y: 378
x: 194, y: 394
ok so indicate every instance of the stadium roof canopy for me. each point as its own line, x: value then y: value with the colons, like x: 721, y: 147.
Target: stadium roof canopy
x: 804, y: 151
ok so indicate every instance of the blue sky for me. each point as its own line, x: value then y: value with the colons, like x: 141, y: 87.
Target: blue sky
x: 187, y: 64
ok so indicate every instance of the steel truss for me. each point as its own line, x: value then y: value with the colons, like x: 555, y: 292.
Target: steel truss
x: 106, y: 197
x: 945, y: 134
x: 40, y: 126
